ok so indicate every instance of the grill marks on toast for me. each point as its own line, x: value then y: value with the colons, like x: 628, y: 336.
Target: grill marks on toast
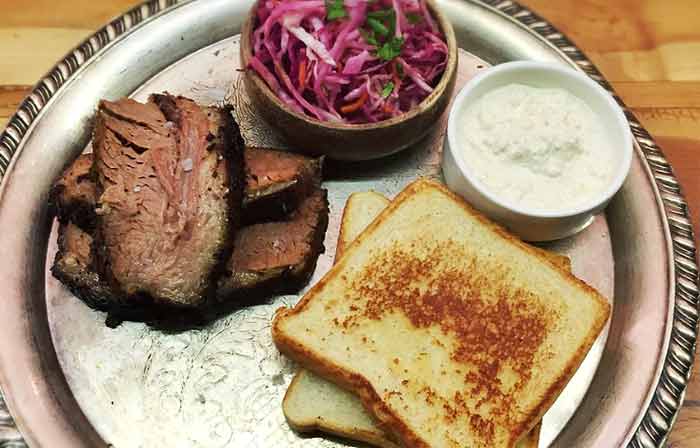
x: 499, y: 330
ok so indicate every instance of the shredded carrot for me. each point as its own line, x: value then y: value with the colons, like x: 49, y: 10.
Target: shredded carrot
x: 355, y: 105
x: 302, y: 74
x: 387, y: 109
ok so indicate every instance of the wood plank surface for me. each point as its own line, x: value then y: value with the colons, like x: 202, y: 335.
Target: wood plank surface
x: 648, y: 49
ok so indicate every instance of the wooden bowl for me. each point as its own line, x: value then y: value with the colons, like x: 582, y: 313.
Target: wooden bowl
x: 352, y: 141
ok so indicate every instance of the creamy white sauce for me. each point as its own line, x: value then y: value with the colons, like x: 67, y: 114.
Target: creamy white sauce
x: 540, y: 149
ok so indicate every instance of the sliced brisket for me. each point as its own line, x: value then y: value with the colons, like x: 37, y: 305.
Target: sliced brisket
x: 273, y: 257
x: 74, y: 267
x: 169, y: 186
x: 276, y: 181
x: 73, y: 196
x: 149, y: 221
x: 277, y: 256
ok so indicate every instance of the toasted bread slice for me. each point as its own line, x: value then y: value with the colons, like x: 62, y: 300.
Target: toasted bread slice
x: 360, y: 210
x: 313, y: 403
x: 363, y: 207
x: 452, y: 332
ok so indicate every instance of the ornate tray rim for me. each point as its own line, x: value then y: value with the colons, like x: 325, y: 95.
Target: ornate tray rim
x: 671, y: 384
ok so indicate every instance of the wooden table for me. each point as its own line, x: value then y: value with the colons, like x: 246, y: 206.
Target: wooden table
x: 648, y: 49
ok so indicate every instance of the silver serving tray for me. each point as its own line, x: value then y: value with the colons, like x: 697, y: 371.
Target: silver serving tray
x: 72, y: 382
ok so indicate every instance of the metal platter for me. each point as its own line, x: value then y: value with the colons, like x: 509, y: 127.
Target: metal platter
x: 71, y: 382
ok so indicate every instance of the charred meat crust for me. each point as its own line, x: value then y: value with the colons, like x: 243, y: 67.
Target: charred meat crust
x: 73, y: 196
x: 257, y: 270
x: 73, y: 266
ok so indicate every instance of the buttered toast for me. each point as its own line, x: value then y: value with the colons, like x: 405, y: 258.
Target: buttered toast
x: 313, y: 403
x: 452, y: 332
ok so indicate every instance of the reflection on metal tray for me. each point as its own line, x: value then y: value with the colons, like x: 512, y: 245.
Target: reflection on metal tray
x: 72, y: 382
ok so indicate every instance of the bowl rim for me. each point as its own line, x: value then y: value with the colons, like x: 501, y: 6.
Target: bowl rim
x: 622, y: 125
x: 427, y: 103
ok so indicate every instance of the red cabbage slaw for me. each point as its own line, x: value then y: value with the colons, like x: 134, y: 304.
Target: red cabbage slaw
x: 348, y: 61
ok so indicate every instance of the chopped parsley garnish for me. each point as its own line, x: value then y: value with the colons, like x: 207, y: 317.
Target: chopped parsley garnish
x: 335, y: 9
x: 399, y: 70
x: 390, y: 49
x: 382, y: 21
x: 392, y: 23
x: 369, y: 37
x: 379, y: 32
x: 388, y: 88
x: 377, y: 26
x: 381, y: 14
x: 414, y: 18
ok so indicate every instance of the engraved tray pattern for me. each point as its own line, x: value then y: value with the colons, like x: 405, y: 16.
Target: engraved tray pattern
x: 666, y: 402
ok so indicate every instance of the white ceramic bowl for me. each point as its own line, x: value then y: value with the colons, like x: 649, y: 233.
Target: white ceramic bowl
x: 534, y: 225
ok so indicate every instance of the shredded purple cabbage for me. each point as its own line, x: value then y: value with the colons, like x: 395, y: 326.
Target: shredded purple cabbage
x: 351, y: 61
